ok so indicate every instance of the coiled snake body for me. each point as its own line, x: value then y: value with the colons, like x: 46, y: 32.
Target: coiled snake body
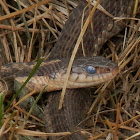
x: 102, y: 28
x: 91, y: 70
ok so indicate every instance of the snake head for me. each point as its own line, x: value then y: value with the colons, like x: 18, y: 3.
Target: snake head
x: 92, y: 71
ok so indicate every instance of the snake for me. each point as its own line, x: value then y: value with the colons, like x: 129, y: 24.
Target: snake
x: 86, y: 71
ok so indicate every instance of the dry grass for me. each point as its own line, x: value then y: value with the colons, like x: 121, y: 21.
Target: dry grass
x: 28, y: 36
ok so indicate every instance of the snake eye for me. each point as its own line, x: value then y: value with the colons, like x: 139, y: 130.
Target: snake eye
x: 90, y: 69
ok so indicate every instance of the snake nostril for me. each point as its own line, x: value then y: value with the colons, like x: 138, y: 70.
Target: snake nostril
x: 104, y: 70
x: 108, y: 69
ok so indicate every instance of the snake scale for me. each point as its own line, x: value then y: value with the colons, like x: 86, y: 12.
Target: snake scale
x: 76, y: 101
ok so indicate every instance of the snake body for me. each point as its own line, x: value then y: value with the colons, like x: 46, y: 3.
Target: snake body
x: 52, y: 73
x: 102, y: 28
